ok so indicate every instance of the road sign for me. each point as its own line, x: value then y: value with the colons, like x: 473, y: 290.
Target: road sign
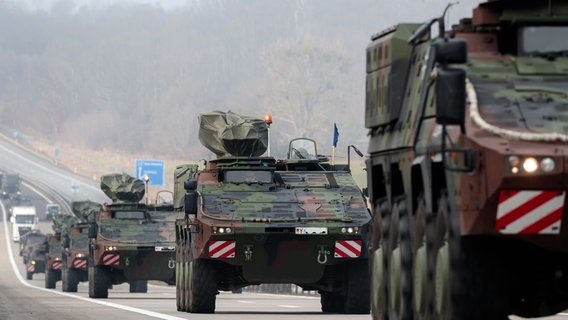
x: 154, y: 169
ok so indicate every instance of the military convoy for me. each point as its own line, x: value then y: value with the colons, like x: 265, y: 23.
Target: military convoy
x: 467, y: 164
x: 125, y: 243
x: 247, y: 219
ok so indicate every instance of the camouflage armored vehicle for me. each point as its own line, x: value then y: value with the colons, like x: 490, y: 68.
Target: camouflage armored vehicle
x: 53, y: 258
x: 245, y: 219
x: 468, y: 162
x: 75, y: 238
x: 33, y: 246
x: 126, y: 244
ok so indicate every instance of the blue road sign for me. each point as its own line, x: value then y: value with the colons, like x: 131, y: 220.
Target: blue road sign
x: 154, y: 169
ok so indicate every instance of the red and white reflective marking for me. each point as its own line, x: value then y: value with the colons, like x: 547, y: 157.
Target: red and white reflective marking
x: 56, y: 265
x: 31, y: 268
x: 530, y: 212
x: 222, y: 249
x: 80, y: 263
x: 347, y: 248
x: 111, y: 259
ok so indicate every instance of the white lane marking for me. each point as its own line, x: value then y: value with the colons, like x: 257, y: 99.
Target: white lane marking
x: 287, y: 306
x: 105, y: 303
x: 244, y: 301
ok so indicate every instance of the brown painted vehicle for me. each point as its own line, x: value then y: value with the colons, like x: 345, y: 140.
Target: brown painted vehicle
x: 468, y: 164
x: 53, y: 260
x: 128, y: 244
x: 76, y: 244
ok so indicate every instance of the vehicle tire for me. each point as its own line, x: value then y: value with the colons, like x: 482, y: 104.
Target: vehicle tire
x: 358, y: 290
x: 72, y: 280
x: 29, y: 275
x: 331, y: 302
x: 50, y: 278
x: 422, y: 263
x: 470, y: 280
x: 138, y: 286
x: 185, y: 273
x: 377, y: 262
x: 179, y: 299
x: 202, y: 286
x: 400, y: 262
x: 99, y: 282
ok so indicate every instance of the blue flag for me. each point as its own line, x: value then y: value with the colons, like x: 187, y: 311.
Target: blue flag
x: 335, y: 135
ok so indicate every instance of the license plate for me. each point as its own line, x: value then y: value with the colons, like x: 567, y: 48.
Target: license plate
x: 159, y: 249
x: 311, y: 230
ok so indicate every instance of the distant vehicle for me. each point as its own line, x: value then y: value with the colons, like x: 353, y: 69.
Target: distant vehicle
x: 76, y: 244
x: 33, y: 252
x: 53, y: 260
x: 10, y: 184
x: 23, y: 220
x: 51, y: 209
x: 125, y: 243
x: 245, y: 219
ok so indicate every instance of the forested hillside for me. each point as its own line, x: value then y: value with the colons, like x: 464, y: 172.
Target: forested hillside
x: 132, y: 78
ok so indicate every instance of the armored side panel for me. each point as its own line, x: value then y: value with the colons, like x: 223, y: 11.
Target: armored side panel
x: 388, y: 59
x: 231, y: 134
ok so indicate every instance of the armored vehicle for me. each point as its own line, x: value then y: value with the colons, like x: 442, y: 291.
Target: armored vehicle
x: 53, y: 260
x: 468, y: 162
x: 74, y: 235
x: 247, y: 219
x: 10, y: 184
x: 33, y: 249
x: 125, y: 243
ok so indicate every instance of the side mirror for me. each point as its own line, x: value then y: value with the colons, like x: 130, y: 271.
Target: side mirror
x: 450, y: 50
x: 190, y: 202
x: 65, y: 242
x: 450, y: 96
x: 92, y: 230
x: 190, y: 184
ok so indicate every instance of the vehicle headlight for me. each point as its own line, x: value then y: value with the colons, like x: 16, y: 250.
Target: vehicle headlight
x: 221, y: 230
x: 81, y: 255
x: 530, y: 165
x: 111, y: 248
x: 547, y: 165
x: 350, y: 230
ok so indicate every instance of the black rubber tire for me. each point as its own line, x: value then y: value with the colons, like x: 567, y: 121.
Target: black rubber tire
x: 29, y: 275
x: 378, y: 294
x: 358, y: 291
x: 332, y: 302
x: 179, y: 300
x: 50, y: 278
x: 99, y: 282
x: 202, y: 286
x: 138, y: 286
x: 477, y: 279
x: 423, y: 309
x: 72, y: 280
x: 401, y: 239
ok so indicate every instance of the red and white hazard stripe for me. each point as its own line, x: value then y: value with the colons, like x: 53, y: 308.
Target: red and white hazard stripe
x: 111, y: 259
x: 529, y: 212
x: 347, y: 248
x: 31, y: 268
x: 81, y: 263
x: 56, y: 265
x: 222, y: 249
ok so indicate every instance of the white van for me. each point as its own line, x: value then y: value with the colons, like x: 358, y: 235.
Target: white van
x: 23, y: 220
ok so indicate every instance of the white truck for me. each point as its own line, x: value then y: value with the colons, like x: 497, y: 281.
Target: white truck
x: 23, y: 220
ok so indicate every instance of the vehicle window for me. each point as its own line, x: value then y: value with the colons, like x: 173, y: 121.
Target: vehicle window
x: 536, y: 40
x: 129, y: 215
x: 247, y: 176
x: 28, y: 219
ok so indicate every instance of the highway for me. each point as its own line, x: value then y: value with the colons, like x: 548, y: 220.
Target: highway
x: 28, y: 299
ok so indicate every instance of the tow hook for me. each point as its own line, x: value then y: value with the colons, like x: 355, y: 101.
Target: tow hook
x: 248, y: 252
x: 171, y: 264
x: 322, y: 255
